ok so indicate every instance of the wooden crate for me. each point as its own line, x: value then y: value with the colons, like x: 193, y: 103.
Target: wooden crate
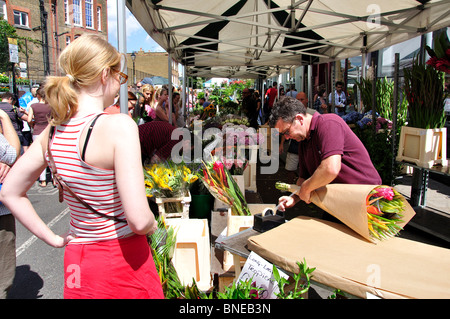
x: 423, y: 147
x: 192, y: 255
x: 182, y: 203
x: 236, y: 224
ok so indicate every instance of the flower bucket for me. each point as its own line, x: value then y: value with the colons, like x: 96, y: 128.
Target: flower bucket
x: 423, y: 147
x: 174, y: 207
x: 201, y: 206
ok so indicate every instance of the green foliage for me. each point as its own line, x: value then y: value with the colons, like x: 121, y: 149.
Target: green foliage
x: 424, y: 87
x: 385, y: 99
x: 379, y: 147
x: 6, y: 30
x: 300, y: 288
x: 240, y: 290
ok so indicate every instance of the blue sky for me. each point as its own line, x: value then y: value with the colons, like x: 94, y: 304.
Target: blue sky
x: 137, y: 38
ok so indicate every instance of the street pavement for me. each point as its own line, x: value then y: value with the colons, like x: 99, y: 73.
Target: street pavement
x: 39, y: 267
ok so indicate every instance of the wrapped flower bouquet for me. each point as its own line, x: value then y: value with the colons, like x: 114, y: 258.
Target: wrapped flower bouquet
x: 376, y: 212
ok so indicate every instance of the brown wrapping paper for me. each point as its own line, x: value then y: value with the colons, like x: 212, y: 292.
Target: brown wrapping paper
x: 395, y: 268
x: 347, y: 202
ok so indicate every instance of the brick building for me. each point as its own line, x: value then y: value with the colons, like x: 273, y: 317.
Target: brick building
x: 52, y: 24
x: 148, y: 64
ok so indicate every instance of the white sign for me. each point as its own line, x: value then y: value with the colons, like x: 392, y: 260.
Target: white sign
x: 259, y: 270
x: 13, y: 51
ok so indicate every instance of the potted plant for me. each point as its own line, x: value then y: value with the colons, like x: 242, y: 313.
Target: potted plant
x: 423, y: 140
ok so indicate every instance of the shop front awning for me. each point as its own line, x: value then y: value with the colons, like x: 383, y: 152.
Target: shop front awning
x: 257, y: 38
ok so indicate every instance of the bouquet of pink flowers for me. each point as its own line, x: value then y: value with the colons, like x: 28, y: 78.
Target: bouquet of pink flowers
x: 222, y: 186
x: 230, y: 159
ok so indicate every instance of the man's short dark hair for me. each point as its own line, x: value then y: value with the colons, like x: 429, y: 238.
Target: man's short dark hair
x: 286, y: 109
x: 340, y: 83
x: 8, y: 95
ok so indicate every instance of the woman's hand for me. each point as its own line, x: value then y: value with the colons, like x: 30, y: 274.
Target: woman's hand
x: 62, y: 241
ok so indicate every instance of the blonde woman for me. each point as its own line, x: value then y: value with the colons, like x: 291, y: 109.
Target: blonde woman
x: 148, y: 92
x: 104, y: 258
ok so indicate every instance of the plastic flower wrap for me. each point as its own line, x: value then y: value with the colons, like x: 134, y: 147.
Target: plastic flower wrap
x: 384, y: 211
x: 222, y: 186
x: 168, y: 179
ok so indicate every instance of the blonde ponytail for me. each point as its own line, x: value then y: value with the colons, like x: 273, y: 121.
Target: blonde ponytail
x: 62, y: 98
x: 83, y: 62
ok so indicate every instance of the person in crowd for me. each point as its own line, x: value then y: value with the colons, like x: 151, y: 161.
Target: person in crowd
x: 98, y: 157
x: 40, y: 114
x: 201, y: 101
x: 340, y: 99
x: 257, y: 98
x: 177, y: 110
x: 320, y: 104
x: 148, y: 97
x: 156, y: 141
x: 115, y: 108
x: 25, y: 101
x: 292, y: 91
x: 9, y: 152
x: 272, y: 95
x: 16, y: 114
x: 329, y: 151
x: 250, y: 107
x: 162, y: 107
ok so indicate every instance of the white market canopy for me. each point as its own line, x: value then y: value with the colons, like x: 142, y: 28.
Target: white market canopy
x: 257, y: 38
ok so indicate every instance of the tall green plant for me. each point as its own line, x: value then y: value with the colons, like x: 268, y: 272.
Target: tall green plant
x: 385, y: 99
x: 424, y: 87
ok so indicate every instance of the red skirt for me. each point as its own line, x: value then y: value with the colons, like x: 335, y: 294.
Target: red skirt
x: 113, y: 269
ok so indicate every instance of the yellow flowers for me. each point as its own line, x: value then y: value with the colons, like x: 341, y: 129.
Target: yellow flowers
x: 168, y: 179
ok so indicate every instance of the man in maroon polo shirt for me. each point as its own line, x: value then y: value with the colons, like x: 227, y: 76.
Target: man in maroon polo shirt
x: 156, y: 141
x: 329, y: 151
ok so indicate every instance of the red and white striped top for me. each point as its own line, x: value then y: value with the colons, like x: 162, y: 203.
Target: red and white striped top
x: 96, y: 186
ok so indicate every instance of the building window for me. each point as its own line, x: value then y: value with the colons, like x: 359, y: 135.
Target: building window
x: 20, y: 18
x: 3, y: 11
x: 66, y: 11
x: 89, y: 14
x: 67, y: 40
x: 77, y: 12
x: 99, y: 18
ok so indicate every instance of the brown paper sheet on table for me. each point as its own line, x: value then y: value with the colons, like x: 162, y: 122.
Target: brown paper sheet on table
x: 395, y: 268
x: 347, y: 202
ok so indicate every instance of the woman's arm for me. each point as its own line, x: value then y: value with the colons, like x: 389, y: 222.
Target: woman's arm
x: 14, y: 192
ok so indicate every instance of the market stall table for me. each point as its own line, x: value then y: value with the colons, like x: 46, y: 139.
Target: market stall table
x: 395, y: 268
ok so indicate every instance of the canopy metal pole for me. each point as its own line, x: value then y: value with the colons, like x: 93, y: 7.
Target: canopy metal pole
x: 184, y: 96
x: 122, y: 45
x: 394, y: 114
x: 169, y: 59
x: 310, y: 86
